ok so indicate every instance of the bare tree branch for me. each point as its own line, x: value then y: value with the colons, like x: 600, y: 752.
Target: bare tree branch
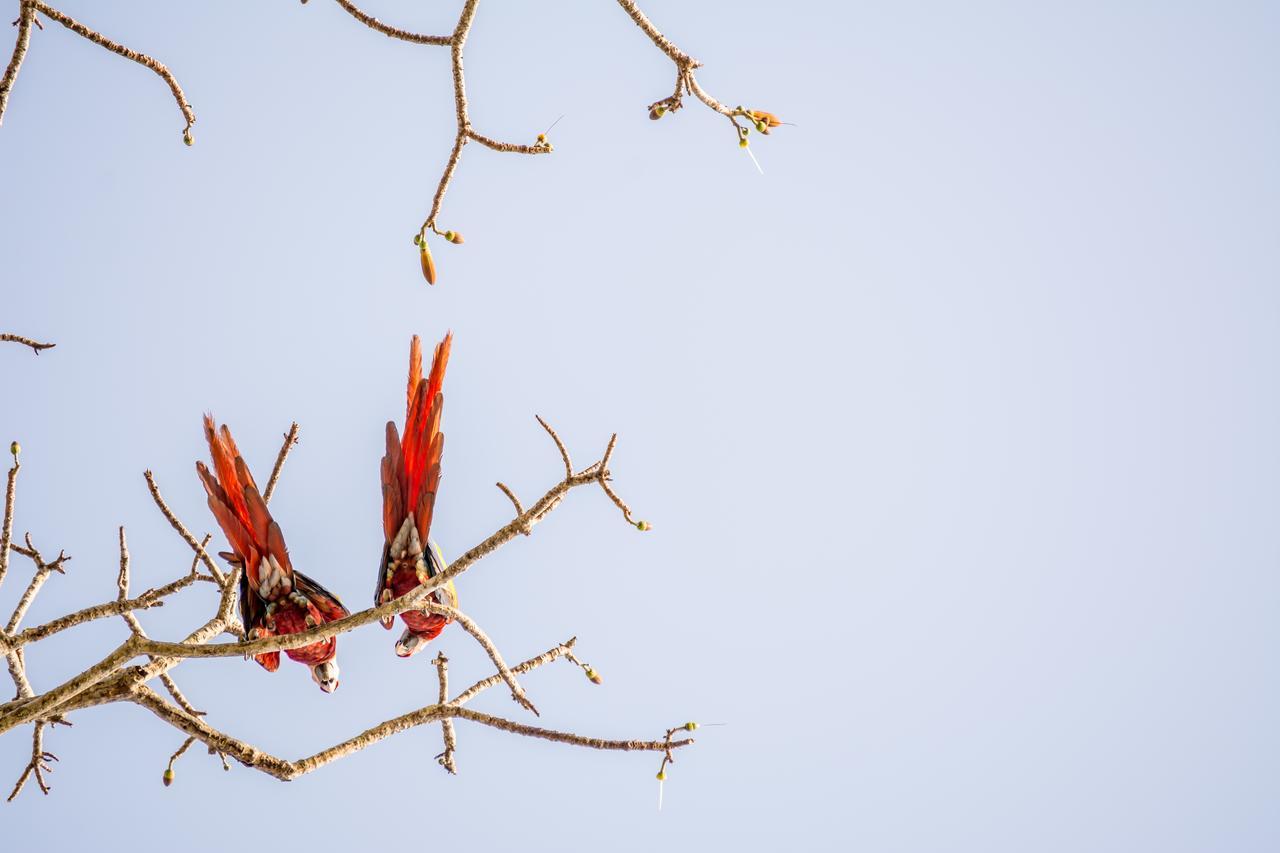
x: 10, y: 497
x: 515, y: 501
x: 26, y: 16
x: 686, y: 83
x: 214, y: 571
x: 564, y: 454
x: 286, y: 770
x: 36, y: 346
x: 122, y: 587
x: 43, y: 570
x: 446, y: 725
x: 117, y: 48
x: 114, y: 679
x: 39, y: 764
x: 393, y: 32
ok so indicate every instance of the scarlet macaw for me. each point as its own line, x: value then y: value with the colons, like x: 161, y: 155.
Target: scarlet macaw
x: 274, y: 598
x: 410, y: 479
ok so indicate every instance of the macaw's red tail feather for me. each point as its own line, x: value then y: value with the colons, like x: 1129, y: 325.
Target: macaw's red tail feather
x: 246, y: 479
x: 222, y: 448
x: 415, y: 373
x: 425, y: 446
x: 430, y: 485
x: 439, y: 361
x: 411, y: 466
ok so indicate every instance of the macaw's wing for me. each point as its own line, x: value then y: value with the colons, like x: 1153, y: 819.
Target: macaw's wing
x: 435, y: 565
x: 387, y: 621
x: 239, y: 508
x: 237, y: 533
x: 393, y: 510
x: 326, y: 602
x: 267, y: 536
x: 253, y: 615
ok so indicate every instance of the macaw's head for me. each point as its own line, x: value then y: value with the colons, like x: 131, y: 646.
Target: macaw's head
x: 411, y: 643
x: 326, y: 675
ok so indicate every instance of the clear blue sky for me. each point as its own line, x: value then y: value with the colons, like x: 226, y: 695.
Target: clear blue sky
x: 957, y: 428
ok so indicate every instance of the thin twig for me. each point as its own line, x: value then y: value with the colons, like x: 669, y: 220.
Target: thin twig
x: 568, y: 737
x: 446, y: 725
x: 468, y: 624
x: 564, y: 454
x: 36, y: 346
x: 519, y: 669
x: 290, y: 439
x: 182, y: 529
x: 140, y: 58
x: 515, y: 501
x: 168, y: 770
x: 122, y: 587
x: 172, y: 687
x: 42, y: 573
x: 6, y: 531
x: 507, y: 147
x: 390, y: 31
x: 38, y: 766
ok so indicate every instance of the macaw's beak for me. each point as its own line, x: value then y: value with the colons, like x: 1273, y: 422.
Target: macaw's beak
x: 410, y: 643
x: 326, y: 675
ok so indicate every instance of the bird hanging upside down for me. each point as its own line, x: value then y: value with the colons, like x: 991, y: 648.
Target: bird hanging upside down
x: 410, y: 479
x: 274, y: 599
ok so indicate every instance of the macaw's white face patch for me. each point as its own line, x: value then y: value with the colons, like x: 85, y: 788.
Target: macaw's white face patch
x: 409, y: 644
x: 326, y: 675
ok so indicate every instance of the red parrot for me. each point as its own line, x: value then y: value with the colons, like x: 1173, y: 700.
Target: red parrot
x: 410, y: 480
x: 274, y: 599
